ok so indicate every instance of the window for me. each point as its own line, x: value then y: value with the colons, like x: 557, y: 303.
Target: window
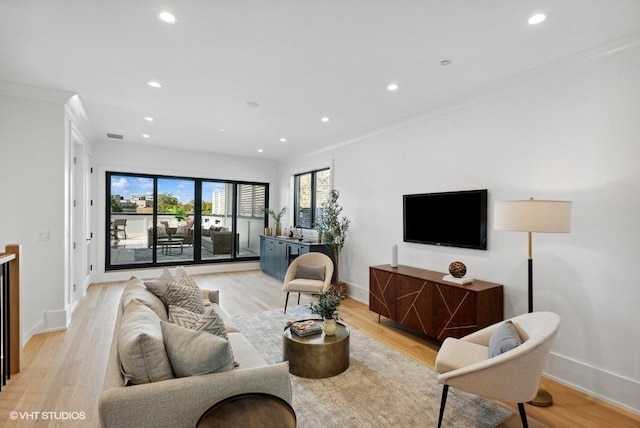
x: 157, y: 220
x: 311, y: 190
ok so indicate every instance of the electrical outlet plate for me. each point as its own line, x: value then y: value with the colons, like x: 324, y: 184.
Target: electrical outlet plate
x: 43, y: 235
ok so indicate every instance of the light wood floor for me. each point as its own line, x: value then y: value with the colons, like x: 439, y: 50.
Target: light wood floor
x: 64, y: 371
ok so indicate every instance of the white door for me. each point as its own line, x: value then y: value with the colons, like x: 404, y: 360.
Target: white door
x: 80, y: 220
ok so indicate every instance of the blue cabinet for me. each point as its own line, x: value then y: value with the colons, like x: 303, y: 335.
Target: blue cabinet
x: 277, y: 253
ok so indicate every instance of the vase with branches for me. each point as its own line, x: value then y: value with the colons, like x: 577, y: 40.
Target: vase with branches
x: 327, y: 308
x: 333, y: 227
x: 327, y: 305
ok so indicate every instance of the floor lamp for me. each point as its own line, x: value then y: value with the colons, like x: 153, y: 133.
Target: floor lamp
x: 534, y: 216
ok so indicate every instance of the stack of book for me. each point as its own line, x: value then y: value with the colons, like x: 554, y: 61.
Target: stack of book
x: 306, y: 328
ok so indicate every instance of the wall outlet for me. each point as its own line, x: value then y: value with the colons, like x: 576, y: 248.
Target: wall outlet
x: 43, y: 235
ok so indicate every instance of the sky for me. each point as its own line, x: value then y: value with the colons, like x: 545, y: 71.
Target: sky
x: 126, y: 186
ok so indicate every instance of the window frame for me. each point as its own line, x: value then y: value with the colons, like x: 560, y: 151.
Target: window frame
x: 197, y: 214
x: 314, y: 191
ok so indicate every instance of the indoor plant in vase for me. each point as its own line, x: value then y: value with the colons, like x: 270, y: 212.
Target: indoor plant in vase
x: 327, y: 307
x: 332, y: 226
x: 276, y: 216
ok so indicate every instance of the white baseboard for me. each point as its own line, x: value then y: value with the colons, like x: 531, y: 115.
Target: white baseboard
x: 52, y: 321
x: 37, y: 329
x: 125, y: 274
x: 358, y: 293
x: 609, y: 387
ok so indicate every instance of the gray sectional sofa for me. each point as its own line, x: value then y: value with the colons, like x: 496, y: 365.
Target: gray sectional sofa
x: 180, y: 401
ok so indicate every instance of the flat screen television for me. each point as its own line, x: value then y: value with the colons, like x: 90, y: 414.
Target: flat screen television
x: 452, y: 219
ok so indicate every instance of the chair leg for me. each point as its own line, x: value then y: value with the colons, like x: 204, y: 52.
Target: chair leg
x: 285, y: 302
x: 299, y: 298
x: 523, y: 415
x: 445, y: 390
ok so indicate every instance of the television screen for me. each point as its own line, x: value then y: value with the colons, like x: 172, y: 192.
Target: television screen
x: 453, y: 219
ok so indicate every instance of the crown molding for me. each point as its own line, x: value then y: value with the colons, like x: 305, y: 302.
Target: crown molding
x: 516, y: 83
x: 19, y: 90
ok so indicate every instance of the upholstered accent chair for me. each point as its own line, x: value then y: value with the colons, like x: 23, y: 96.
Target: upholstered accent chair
x: 308, y: 273
x: 513, y: 375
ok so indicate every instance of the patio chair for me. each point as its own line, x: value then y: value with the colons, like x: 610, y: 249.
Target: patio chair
x: 118, y: 226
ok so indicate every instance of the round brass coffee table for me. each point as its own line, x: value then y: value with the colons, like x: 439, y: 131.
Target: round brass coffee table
x: 317, y: 356
x: 249, y: 410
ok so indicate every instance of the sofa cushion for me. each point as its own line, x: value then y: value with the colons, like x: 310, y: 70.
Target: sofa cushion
x: 141, y: 346
x: 504, y: 339
x: 245, y: 353
x: 310, y: 272
x: 135, y: 289
x: 455, y: 354
x: 305, y: 285
x: 194, y: 353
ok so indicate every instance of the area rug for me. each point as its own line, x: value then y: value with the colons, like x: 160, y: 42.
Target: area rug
x: 381, y: 388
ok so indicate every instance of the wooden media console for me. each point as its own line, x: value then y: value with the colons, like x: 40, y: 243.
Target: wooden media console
x: 422, y: 300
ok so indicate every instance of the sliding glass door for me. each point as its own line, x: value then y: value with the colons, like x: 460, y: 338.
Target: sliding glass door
x: 158, y: 220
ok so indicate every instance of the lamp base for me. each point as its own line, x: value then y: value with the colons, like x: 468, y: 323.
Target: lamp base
x: 542, y: 399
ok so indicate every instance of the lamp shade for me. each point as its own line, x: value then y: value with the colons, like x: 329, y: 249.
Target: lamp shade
x: 533, y: 216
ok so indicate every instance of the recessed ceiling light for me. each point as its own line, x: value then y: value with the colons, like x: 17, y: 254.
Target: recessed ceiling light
x: 154, y: 84
x: 223, y: 130
x: 145, y: 135
x: 167, y: 17
x: 260, y: 150
x: 325, y: 119
x: 537, y: 18
x: 445, y: 62
x: 148, y: 119
x: 392, y: 87
x: 284, y: 140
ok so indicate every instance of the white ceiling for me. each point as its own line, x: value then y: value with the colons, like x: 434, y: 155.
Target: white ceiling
x: 299, y: 60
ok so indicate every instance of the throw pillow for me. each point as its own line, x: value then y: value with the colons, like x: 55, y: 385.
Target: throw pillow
x: 189, y: 298
x: 310, y: 272
x: 162, y: 230
x: 504, y: 339
x: 183, y: 278
x: 159, y: 288
x: 194, y: 353
x: 141, y: 346
x: 209, y: 321
x: 166, y: 276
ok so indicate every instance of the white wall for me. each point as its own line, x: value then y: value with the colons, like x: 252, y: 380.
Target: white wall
x: 32, y: 188
x: 570, y: 131
x: 124, y: 157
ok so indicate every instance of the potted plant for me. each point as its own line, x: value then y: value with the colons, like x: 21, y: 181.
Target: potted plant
x: 333, y: 228
x: 327, y: 308
x: 276, y: 217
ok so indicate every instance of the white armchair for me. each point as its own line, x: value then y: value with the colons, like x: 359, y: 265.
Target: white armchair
x: 512, y: 376
x: 314, y: 275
